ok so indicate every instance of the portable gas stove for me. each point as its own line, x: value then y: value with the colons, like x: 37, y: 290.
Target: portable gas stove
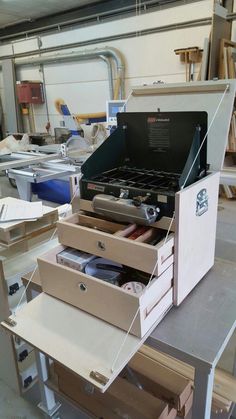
x: 135, y: 174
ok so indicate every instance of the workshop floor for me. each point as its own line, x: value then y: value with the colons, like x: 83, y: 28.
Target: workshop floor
x: 14, y: 407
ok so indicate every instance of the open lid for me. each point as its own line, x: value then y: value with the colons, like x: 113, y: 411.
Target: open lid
x: 194, y: 96
x: 79, y: 341
x: 163, y: 140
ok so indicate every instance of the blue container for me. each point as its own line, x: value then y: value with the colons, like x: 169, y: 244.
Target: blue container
x: 53, y: 190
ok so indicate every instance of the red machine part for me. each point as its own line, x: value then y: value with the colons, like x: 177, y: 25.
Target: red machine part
x: 30, y: 92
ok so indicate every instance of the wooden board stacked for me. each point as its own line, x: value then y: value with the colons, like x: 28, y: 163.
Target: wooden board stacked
x: 167, y: 388
x: 231, y: 146
x: 228, y: 191
x: 227, y: 59
x: 224, y: 384
x: 16, y: 231
x: 227, y: 70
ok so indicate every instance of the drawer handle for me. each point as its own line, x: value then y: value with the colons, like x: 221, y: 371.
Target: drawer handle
x: 82, y: 287
x: 101, y: 245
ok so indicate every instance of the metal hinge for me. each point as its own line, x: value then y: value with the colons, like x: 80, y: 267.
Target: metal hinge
x: 10, y: 322
x: 100, y: 378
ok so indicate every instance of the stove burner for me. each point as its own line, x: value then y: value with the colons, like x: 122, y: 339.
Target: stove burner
x: 153, y: 180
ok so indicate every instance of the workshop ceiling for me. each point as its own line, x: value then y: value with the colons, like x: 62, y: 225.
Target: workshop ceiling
x: 13, y: 12
x: 31, y: 17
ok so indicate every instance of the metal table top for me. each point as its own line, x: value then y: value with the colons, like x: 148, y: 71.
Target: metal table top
x: 200, y: 328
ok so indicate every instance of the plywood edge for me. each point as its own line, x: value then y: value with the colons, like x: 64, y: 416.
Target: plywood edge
x: 176, y: 252
x: 166, y: 90
x: 188, y: 270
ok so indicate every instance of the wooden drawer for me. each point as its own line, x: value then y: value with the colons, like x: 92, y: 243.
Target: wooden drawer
x: 96, y: 236
x: 104, y: 300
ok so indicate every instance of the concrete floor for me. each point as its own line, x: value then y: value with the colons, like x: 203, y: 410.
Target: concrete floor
x: 226, y: 249
x: 14, y: 407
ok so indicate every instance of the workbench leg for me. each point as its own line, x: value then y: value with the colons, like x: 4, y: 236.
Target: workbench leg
x: 24, y: 189
x: 234, y: 374
x: 48, y: 404
x: 203, y: 389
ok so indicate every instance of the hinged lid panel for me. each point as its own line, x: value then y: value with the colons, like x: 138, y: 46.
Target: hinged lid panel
x: 83, y: 343
x: 162, y: 140
x: 194, y: 96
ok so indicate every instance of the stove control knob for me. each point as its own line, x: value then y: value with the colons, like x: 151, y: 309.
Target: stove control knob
x: 151, y: 211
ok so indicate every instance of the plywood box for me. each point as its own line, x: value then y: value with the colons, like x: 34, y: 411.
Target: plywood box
x: 122, y: 399
x: 194, y: 238
x: 62, y: 321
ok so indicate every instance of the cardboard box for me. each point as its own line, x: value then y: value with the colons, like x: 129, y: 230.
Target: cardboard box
x: 74, y: 259
x: 121, y: 400
x: 164, y: 383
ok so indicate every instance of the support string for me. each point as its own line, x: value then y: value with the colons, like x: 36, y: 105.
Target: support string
x: 205, y: 137
x: 51, y: 238
x: 171, y: 222
x: 137, y: 312
x: 54, y: 232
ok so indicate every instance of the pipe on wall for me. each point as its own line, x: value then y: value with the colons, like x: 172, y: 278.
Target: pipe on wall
x: 110, y: 75
x: 118, y: 37
x: 105, y: 54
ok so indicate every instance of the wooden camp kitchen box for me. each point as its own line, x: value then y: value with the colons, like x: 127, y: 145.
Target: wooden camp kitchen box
x: 89, y: 318
x: 127, y: 163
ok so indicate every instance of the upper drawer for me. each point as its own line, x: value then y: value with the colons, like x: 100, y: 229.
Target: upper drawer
x: 97, y: 236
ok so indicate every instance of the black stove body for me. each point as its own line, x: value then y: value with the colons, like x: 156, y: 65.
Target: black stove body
x: 134, y: 175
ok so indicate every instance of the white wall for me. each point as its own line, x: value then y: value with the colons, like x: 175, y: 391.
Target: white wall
x: 84, y: 85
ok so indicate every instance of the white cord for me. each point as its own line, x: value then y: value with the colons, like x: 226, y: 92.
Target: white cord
x: 54, y: 232
x: 171, y: 222
x: 167, y: 234
x: 36, y: 266
x: 135, y: 316
x: 205, y: 137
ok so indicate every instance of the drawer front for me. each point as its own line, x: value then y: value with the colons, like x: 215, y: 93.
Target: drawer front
x: 140, y: 256
x: 95, y: 296
x: 101, y: 299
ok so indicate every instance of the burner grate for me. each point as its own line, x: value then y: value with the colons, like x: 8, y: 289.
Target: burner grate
x: 140, y: 178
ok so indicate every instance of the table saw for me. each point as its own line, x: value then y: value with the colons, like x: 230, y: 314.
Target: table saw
x: 43, y: 163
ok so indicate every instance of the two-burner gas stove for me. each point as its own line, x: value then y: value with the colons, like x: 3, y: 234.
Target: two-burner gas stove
x: 134, y: 175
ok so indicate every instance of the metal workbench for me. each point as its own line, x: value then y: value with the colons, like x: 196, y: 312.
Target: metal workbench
x: 197, y: 333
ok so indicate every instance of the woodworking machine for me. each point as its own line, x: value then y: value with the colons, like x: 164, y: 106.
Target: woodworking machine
x: 43, y: 164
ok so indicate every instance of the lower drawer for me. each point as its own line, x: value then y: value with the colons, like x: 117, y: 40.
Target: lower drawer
x: 104, y: 300
x: 121, y: 400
